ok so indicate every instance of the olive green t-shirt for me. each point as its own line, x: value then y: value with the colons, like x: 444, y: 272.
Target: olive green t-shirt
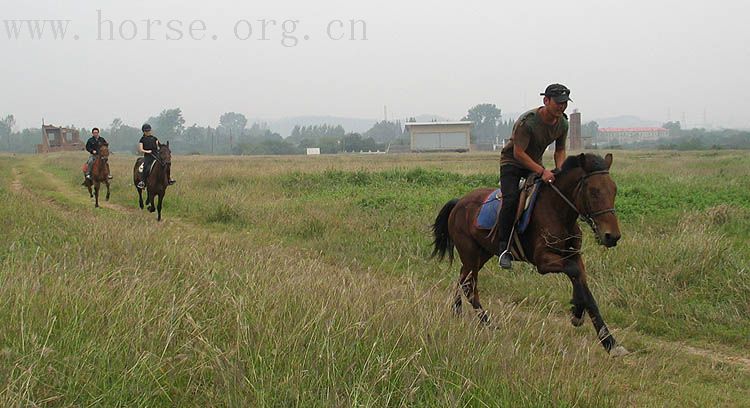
x: 533, y: 135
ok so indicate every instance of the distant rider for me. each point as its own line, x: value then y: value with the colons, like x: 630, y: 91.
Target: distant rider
x: 92, y: 146
x: 149, y: 146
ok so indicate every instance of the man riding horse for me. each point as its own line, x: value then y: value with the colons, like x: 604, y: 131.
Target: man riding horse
x: 522, y: 156
x: 92, y: 146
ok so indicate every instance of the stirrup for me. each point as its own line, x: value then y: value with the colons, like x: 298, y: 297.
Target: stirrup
x: 170, y: 182
x: 506, y: 259
x: 141, y: 185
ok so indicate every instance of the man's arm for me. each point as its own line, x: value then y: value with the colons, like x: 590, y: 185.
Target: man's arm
x: 530, y: 164
x: 560, y: 156
x: 520, y: 154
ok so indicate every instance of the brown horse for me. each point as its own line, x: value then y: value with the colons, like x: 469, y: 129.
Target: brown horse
x: 99, y: 173
x: 158, y: 179
x: 551, y: 242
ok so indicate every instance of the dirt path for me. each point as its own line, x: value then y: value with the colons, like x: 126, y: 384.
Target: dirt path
x: 714, y: 355
x: 16, y: 185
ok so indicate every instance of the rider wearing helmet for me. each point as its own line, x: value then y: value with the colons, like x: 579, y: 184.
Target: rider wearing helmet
x: 149, y: 146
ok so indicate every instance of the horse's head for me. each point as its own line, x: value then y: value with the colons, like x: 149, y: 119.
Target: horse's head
x: 594, y: 194
x: 104, y: 151
x: 165, y: 155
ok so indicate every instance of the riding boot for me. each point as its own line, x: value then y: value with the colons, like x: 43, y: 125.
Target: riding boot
x: 507, y: 218
x: 144, y: 177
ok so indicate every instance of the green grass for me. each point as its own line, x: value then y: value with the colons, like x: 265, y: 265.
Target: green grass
x: 298, y: 282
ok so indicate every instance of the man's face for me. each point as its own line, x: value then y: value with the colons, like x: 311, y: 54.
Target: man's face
x: 95, y: 133
x: 555, y: 108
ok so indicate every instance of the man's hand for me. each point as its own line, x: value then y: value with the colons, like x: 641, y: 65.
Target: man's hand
x: 548, y: 176
x: 93, y: 152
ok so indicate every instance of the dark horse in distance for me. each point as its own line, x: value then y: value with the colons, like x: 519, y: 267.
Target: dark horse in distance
x: 551, y: 242
x: 158, y: 179
x: 99, y: 173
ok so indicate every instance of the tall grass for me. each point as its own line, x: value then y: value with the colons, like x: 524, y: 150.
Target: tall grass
x: 300, y: 283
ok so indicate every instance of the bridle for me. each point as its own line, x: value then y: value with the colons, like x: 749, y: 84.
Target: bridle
x: 589, y: 215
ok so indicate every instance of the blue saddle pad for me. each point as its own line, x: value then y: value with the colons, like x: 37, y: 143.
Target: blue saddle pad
x: 523, y: 223
x: 490, y: 209
x: 488, y: 212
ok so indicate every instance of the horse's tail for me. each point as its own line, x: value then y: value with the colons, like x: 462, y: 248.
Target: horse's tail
x: 443, y: 243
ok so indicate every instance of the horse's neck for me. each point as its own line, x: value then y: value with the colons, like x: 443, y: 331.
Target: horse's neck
x: 552, y: 210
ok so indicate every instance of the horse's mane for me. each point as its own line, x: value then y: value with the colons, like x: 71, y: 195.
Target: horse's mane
x: 592, y: 162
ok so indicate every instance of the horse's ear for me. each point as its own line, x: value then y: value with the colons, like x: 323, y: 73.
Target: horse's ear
x: 167, y: 143
x: 608, y: 160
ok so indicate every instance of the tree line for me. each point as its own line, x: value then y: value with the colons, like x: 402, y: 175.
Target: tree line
x: 234, y: 136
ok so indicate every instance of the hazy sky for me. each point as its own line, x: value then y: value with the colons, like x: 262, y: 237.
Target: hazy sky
x: 646, y: 58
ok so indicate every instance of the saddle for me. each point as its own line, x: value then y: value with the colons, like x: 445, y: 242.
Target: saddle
x: 529, y: 187
x: 140, y: 167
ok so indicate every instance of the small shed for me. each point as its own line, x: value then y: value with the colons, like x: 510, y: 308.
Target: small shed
x: 59, y: 139
x: 440, y: 136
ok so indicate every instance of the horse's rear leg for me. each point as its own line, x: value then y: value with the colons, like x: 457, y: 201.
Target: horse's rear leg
x: 468, y: 284
x: 91, y: 192
x: 462, y: 279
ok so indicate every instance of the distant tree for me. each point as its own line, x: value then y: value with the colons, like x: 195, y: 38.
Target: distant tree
x: 385, y: 131
x: 169, y: 124
x: 486, y: 117
x: 6, y: 129
x: 590, y: 130
x: 233, y: 122
x: 675, y: 129
x: 115, y: 125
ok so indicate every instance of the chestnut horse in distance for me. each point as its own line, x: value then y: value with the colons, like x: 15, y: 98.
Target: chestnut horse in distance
x: 99, y: 173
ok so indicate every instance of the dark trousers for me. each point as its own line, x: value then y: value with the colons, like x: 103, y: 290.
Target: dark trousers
x: 510, y: 176
x: 148, y: 160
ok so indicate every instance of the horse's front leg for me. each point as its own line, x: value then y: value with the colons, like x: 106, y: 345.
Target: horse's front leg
x: 582, y: 298
x: 107, y: 182
x: 150, y: 201
x: 158, y: 206
x: 96, y: 194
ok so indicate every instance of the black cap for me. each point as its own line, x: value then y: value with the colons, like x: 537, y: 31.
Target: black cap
x: 146, y: 127
x: 560, y: 93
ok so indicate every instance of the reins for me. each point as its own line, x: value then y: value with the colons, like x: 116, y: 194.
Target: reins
x: 588, y: 216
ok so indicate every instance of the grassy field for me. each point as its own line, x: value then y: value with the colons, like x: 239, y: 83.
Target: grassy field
x: 305, y: 281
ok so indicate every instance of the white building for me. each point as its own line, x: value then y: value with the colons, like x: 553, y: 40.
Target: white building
x: 620, y: 136
x: 440, y: 136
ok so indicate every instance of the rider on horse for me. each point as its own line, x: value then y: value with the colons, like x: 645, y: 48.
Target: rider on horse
x: 92, y: 146
x: 522, y: 155
x: 149, y: 146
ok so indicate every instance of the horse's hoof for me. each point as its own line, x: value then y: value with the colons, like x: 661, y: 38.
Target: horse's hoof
x: 484, y: 318
x: 456, y: 308
x: 577, y: 321
x: 151, y: 209
x: 618, y: 351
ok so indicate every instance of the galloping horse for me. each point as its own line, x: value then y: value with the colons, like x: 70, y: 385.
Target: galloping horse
x: 158, y: 179
x: 551, y: 242
x: 99, y: 173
